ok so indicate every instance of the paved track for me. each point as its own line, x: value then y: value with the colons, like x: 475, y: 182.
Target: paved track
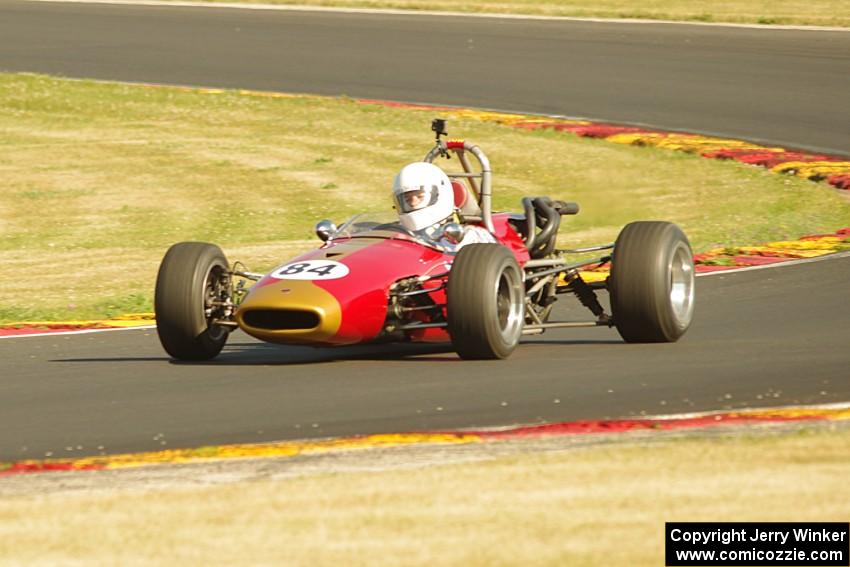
x: 760, y: 338
x: 782, y: 86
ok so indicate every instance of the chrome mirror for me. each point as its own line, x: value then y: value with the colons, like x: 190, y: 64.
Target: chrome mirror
x: 453, y: 232
x: 324, y: 229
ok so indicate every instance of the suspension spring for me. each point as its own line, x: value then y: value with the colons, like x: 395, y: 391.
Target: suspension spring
x: 584, y: 293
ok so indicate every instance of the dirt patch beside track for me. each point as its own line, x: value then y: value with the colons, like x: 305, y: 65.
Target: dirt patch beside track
x: 584, y: 500
x: 379, y: 459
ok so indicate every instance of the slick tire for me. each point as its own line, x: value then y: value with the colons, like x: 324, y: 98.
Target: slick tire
x: 485, y: 302
x: 652, y: 282
x: 186, y: 281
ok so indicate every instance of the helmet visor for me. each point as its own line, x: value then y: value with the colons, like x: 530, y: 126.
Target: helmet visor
x: 415, y: 198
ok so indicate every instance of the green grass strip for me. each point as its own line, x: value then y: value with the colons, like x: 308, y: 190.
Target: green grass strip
x: 100, y: 178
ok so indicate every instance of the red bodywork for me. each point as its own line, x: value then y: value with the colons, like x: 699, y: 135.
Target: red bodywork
x: 353, y: 309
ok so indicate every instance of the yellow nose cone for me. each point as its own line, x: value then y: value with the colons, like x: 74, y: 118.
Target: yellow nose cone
x: 290, y: 311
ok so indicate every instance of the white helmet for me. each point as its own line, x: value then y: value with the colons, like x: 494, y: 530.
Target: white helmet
x: 422, y: 195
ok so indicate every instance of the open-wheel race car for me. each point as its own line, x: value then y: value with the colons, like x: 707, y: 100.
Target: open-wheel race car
x: 475, y: 278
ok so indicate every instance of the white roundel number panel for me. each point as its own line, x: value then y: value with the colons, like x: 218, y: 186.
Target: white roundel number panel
x: 311, y: 270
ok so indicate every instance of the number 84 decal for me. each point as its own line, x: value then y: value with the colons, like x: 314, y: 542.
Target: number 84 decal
x: 311, y: 270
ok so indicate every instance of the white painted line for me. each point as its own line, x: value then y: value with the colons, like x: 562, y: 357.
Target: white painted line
x: 80, y: 332
x: 673, y: 416
x: 442, y: 14
x: 787, y: 263
x: 664, y: 417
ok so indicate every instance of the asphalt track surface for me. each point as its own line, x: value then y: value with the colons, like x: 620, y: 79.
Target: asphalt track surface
x: 786, y: 87
x: 760, y: 338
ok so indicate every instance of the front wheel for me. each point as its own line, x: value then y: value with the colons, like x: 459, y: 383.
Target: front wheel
x: 190, y: 287
x: 652, y: 282
x: 485, y: 302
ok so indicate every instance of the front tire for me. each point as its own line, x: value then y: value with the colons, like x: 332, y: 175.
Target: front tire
x: 191, y: 276
x: 485, y: 302
x: 652, y: 282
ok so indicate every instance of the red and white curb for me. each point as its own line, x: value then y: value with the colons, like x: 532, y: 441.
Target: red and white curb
x: 285, y: 449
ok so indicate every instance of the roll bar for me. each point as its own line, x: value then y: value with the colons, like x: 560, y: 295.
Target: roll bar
x: 483, y: 191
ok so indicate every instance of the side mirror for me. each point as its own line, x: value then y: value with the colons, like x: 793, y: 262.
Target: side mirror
x: 324, y: 229
x: 453, y: 232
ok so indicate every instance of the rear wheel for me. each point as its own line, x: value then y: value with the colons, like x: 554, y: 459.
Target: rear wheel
x: 190, y: 285
x: 485, y: 302
x: 652, y: 282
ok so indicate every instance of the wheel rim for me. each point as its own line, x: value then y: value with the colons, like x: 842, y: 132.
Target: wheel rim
x: 509, y: 305
x: 215, y: 290
x: 682, y: 284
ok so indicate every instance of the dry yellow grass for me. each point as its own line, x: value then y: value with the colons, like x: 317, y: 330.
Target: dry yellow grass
x: 796, y: 12
x: 99, y: 179
x: 596, y: 506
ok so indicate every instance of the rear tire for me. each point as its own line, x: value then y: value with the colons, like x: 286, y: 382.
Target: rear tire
x: 652, y: 282
x: 190, y: 275
x: 485, y: 302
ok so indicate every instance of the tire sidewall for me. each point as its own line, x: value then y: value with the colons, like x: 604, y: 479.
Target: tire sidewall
x: 179, y: 301
x: 502, y: 343
x: 672, y: 327
x: 472, y: 301
x: 640, y: 284
x: 674, y: 323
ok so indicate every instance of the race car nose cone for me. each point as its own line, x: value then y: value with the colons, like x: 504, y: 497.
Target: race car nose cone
x: 290, y: 311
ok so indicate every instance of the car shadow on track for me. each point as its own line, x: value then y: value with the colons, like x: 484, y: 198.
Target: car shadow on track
x: 256, y: 353
x: 571, y: 342
x: 113, y: 359
x: 265, y: 354
x: 249, y: 353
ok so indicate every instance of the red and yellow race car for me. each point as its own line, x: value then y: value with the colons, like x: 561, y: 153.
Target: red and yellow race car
x: 478, y: 279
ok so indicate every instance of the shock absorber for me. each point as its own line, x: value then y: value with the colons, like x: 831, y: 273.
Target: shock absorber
x: 586, y: 295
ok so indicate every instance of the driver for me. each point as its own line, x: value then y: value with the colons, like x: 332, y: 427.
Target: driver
x: 424, y: 199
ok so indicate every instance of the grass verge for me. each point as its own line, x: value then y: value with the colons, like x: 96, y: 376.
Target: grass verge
x: 602, y: 505
x: 99, y: 179
x: 784, y: 12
